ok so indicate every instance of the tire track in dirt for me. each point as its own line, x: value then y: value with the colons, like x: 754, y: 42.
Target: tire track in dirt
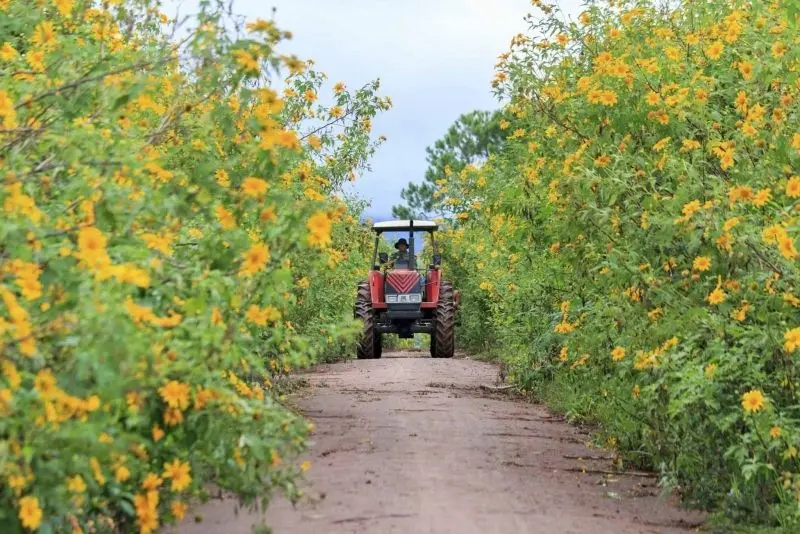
x: 412, y: 444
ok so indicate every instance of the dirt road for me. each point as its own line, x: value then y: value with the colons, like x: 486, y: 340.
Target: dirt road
x: 409, y: 444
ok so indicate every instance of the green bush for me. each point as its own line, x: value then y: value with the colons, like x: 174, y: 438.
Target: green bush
x: 632, y: 250
x: 171, y: 241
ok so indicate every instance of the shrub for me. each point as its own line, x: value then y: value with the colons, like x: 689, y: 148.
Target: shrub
x: 633, y: 247
x: 171, y: 241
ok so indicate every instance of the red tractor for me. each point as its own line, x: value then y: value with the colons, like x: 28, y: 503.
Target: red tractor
x: 398, y: 298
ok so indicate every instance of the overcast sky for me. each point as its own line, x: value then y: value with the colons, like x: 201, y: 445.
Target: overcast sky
x: 435, y: 59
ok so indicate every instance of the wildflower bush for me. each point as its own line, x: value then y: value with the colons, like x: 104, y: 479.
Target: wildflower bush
x: 171, y: 242
x: 632, y: 251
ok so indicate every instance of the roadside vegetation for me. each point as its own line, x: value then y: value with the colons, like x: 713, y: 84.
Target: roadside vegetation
x: 171, y: 242
x: 630, y: 248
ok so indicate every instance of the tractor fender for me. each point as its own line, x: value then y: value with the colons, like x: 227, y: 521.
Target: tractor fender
x: 376, y: 280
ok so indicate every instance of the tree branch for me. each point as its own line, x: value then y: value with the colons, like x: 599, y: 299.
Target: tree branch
x: 328, y: 124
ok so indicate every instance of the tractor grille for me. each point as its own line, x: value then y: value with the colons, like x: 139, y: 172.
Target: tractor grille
x: 402, y: 281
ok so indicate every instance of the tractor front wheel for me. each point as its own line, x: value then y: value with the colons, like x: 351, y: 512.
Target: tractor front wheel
x: 370, y: 344
x: 443, y: 338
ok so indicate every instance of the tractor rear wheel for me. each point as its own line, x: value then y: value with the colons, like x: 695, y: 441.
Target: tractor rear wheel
x: 443, y: 338
x: 370, y: 344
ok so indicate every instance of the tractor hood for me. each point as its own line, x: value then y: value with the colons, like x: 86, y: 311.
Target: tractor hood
x: 403, y: 287
x: 402, y: 281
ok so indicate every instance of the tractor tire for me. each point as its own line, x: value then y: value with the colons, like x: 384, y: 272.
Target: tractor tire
x: 443, y: 339
x: 370, y: 344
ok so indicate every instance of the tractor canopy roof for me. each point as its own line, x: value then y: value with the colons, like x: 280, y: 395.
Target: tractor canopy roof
x: 405, y: 224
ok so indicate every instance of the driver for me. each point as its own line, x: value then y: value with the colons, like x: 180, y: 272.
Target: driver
x: 402, y: 251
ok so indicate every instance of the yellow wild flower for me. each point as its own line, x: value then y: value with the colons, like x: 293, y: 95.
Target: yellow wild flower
x: 753, y: 401
x: 319, y: 230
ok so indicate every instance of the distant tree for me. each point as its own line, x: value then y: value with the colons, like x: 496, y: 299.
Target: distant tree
x: 419, y: 201
x: 470, y: 139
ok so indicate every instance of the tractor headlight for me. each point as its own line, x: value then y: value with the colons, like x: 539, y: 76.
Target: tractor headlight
x: 404, y: 298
